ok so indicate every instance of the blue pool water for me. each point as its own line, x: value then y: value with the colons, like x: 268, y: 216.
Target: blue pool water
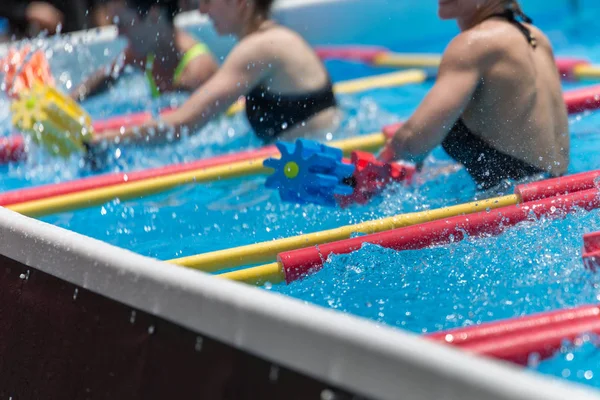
x: 534, y: 267
x: 577, y: 362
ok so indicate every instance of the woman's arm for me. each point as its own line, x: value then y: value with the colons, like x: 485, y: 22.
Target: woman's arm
x: 244, y: 68
x: 458, y: 76
x: 100, y: 80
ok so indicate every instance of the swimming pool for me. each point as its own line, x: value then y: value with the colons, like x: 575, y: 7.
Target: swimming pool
x: 531, y: 268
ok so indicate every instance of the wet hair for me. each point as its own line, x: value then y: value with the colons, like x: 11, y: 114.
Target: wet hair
x: 142, y: 7
x: 263, y: 6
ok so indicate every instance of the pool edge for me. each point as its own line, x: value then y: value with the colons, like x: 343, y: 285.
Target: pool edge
x: 344, y: 351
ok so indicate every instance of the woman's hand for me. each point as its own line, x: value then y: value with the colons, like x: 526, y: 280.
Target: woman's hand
x: 387, y: 154
x: 107, y: 136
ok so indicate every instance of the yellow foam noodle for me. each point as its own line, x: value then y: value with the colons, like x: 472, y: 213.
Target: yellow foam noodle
x: 399, y: 60
x: 591, y: 72
x: 381, y: 81
x: 392, y: 79
x: 272, y: 273
x: 52, y: 119
x: 236, y: 107
x: 151, y: 186
x: 267, y: 251
x: 136, y: 189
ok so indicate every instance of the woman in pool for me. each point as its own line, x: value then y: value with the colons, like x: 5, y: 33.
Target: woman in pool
x: 497, y: 106
x: 287, y: 89
x: 184, y: 66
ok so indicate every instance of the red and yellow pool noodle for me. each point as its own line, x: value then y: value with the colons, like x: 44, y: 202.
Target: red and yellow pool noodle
x: 420, y: 230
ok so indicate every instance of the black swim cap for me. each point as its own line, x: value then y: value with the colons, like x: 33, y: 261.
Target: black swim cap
x: 264, y: 6
x: 143, y: 6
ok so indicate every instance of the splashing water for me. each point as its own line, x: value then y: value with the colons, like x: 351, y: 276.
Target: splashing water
x: 533, y: 267
x: 577, y: 362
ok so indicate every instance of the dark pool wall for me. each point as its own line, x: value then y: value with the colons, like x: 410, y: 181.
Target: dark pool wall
x: 58, y: 341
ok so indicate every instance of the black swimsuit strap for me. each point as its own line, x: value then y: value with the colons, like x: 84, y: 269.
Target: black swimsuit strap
x: 511, y: 14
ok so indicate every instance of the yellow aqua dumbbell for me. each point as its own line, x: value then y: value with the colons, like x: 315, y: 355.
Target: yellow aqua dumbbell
x: 53, y: 120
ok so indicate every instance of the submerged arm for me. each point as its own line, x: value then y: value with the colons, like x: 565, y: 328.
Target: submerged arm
x: 458, y: 77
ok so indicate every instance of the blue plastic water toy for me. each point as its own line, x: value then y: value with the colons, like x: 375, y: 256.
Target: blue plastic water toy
x: 309, y: 172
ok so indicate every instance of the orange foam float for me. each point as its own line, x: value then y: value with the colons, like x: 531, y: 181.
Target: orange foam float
x: 23, y: 69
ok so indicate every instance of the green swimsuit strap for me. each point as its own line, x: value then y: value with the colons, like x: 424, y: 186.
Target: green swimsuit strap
x: 197, y: 50
x: 154, y: 90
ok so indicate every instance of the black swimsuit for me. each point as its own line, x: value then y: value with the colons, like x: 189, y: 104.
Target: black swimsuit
x: 488, y: 166
x: 270, y: 114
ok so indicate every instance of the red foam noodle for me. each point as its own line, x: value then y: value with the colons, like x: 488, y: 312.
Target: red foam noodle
x: 557, y: 186
x: 45, y: 191
x: 364, y: 54
x: 126, y: 121
x: 518, y: 347
x: 566, y: 66
x: 584, y: 99
x: 12, y: 149
x: 591, y: 251
x: 526, y: 324
x: 299, y: 263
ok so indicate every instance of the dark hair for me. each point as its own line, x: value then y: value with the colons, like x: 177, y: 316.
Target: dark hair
x: 142, y: 7
x: 263, y: 6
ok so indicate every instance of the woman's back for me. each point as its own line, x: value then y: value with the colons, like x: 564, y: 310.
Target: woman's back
x: 518, y: 106
x: 291, y: 66
x: 294, y: 89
